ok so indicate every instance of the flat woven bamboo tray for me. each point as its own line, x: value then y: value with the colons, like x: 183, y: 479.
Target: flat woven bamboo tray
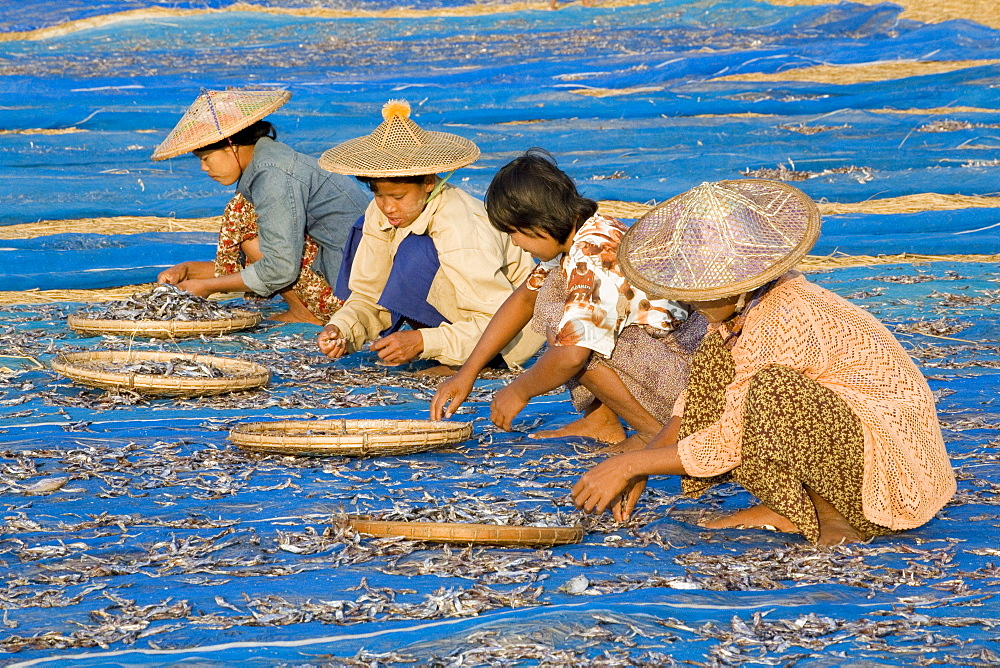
x: 460, y: 532
x: 353, y: 438
x: 163, y: 329
x: 96, y: 369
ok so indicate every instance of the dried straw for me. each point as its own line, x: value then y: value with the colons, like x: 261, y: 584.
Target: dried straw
x: 59, y: 296
x: 860, y: 73
x: 935, y: 111
x: 41, y: 131
x: 160, y: 13
x: 830, y: 262
x: 886, y: 206
x: 115, y: 225
x: 743, y: 114
x: 613, y: 92
x: 985, y: 12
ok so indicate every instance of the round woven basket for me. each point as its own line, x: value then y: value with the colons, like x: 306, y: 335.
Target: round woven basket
x: 460, y: 532
x: 163, y: 329
x: 96, y: 369
x: 352, y: 438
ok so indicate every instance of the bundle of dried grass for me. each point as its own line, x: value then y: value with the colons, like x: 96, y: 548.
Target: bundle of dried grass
x: 401, y: 12
x: 887, y: 206
x: 910, y: 204
x: 827, y: 263
x: 56, y: 296
x: 985, y: 12
x: 860, y: 73
x: 41, y: 131
x: 935, y: 111
x: 115, y: 225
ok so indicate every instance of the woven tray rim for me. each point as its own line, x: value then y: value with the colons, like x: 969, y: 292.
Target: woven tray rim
x: 67, y: 364
x: 410, y: 436
x: 468, y: 533
x: 164, y: 329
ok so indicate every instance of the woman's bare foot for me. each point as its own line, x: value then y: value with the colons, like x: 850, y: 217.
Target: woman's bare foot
x: 759, y: 516
x: 601, y: 424
x: 439, y: 371
x: 633, y: 442
x: 834, y: 529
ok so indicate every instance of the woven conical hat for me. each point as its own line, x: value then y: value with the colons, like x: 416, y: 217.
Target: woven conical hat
x: 719, y: 239
x: 399, y: 147
x: 217, y: 114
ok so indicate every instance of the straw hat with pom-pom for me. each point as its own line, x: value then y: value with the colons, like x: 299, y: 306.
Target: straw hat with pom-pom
x: 399, y: 147
x: 719, y: 239
x: 217, y: 114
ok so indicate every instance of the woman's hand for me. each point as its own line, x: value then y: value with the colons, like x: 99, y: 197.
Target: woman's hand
x: 612, y: 483
x: 199, y: 287
x: 450, y: 395
x: 399, y: 347
x: 507, y: 403
x: 630, y: 497
x: 331, y: 342
x: 174, y: 275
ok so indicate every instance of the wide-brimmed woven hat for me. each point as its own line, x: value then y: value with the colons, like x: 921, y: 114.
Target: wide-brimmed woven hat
x: 399, y: 147
x: 719, y: 239
x: 217, y: 114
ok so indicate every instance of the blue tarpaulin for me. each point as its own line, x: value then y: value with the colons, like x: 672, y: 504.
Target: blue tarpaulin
x: 165, y: 544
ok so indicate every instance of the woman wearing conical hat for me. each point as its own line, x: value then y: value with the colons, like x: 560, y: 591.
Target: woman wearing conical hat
x: 284, y: 230
x: 425, y: 271
x: 801, y: 397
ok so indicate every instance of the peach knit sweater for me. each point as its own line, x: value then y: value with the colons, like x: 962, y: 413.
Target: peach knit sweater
x: 907, y: 475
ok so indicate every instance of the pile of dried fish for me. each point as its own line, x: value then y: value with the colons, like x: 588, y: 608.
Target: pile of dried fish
x: 162, y: 302
x: 940, y: 327
x: 178, y: 367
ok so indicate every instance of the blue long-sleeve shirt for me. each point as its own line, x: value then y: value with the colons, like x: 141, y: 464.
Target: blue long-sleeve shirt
x: 292, y: 197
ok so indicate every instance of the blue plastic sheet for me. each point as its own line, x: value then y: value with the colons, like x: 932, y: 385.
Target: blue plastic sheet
x: 170, y: 546
x: 216, y: 555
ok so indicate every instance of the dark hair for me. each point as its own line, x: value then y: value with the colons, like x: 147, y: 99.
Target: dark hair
x: 530, y: 194
x: 370, y: 180
x: 248, y: 136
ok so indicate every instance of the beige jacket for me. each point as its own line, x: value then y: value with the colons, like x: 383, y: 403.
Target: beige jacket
x: 480, y: 268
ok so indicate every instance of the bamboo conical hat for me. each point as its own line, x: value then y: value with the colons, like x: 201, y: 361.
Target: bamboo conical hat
x: 399, y: 147
x: 217, y: 114
x: 719, y: 239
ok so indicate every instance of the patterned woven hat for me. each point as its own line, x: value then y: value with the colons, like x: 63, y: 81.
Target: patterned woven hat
x: 719, y: 239
x: 217, y: 114
x: 399, y: 147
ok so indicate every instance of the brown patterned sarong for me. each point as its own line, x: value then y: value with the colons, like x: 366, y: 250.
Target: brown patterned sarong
x: 652, y: 363
x: 239, y: 224
x: 796, y: 433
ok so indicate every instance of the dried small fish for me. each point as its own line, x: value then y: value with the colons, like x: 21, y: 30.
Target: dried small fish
x: 162, y: 302
x: 45, y: 485
x: 181, y: 367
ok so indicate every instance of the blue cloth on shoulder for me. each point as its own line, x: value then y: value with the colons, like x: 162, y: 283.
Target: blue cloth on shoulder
x: 405, y: 292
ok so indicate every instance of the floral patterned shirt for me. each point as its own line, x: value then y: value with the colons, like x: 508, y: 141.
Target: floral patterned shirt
x: 600, y: 303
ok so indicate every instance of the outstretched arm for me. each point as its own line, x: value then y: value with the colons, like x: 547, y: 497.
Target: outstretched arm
x: 556, y: 366
x: 618, y: 482
x: 187, y: 270
x: 199, y: 278
x: 512, y: 316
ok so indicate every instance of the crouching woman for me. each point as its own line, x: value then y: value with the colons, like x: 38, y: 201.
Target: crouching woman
x: 285, y: 229
x: 800, y: 397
